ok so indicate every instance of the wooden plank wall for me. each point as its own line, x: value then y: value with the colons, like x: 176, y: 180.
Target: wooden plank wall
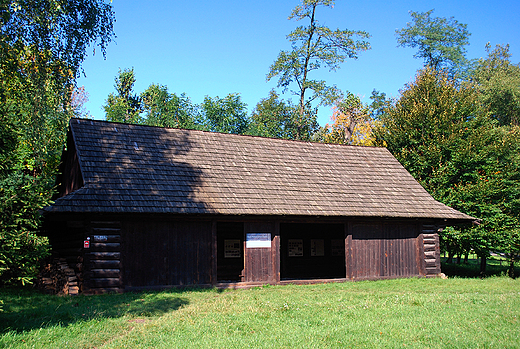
x: 383, y: 251
x: 161, y: 253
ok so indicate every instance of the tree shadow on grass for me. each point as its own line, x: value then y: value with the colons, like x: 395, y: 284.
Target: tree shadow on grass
x: 27, y: 309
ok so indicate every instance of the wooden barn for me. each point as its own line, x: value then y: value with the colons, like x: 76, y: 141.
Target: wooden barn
x: 144, y: 207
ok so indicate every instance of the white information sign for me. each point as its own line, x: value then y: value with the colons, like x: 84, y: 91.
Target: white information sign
x: 258, y: 240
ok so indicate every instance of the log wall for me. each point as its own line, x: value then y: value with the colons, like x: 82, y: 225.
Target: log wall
x: 432, y: 251
x: 103, y: 258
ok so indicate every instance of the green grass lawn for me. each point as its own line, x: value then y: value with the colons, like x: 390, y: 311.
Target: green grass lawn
x: 405, y: 313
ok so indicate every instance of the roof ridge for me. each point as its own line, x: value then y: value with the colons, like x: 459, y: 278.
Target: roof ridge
x: 224, y: 133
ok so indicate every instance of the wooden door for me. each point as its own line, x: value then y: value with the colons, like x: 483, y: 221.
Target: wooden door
x: 383, y: 251
x: 258, y: 252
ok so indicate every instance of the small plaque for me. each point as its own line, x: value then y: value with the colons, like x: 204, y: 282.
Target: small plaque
x: 317, y: 247
x: 232, y: 249
x: 86, y: 244
x: 295, y: 247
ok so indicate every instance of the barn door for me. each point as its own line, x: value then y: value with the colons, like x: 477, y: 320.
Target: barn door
x: 382, y: 251
x: 258, y: 257
x: 258, y: 252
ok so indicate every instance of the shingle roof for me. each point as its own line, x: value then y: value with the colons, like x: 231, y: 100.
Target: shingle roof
x: 134, y: 168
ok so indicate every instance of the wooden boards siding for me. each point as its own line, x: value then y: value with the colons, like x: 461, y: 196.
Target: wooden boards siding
x: 157, y: 251
x: 162, y: 253
x: 383, y: 251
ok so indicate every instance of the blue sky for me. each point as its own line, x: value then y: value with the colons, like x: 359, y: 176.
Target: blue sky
x: 214, y: 48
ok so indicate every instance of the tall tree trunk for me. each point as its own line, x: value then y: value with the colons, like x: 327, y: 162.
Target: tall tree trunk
x: 303, y: 82
x: 511, y: 269
x: 483, y: 263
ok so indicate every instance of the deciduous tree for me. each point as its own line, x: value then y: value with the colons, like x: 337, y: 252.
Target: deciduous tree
x: 439, y: 132
x: 42, y: 45
x: 125, y: 106
x: 352, y: 123
x: 314, y: 46
x: 227, y: 115
x: 277, y: 118
x: 165, y: 109
x: 498, y: 81
x: 440, y: 42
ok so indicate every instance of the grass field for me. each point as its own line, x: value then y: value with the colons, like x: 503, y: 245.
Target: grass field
x: 405, y: 313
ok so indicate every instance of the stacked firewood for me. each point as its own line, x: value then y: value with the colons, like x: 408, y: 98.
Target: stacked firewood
x: 57, y: 277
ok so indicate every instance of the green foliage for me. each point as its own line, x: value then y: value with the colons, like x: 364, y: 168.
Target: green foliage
x: 157, y: 107
x: 42, y: 44
x: 379, y: 103
x: 21, y: 249
x: 421, y: 127
x: 314, y: 46
x: 65, y: 28
x: 227, y: 115
x: 498, y: 81
x: 276, y: 118
x: 166, y: 109
x: 462, y: 157
x: 486, y: 175
x: 125, y: 106
x: 439, y: 41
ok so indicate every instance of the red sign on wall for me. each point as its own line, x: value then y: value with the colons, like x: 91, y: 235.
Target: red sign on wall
x: 86, y: 244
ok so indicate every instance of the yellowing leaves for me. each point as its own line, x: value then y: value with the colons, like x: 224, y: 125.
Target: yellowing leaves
x: 352, y: 123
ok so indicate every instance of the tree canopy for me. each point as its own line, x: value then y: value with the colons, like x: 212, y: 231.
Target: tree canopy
x: 443, y: 136
x: 314, y: 46
x: 277, y: 118
x: 440, y: 42
x: 42, y: 45
x: 352, y: 123
x: 498, y: 82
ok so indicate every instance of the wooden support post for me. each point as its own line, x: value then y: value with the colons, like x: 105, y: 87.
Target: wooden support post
x: 214, y: 253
